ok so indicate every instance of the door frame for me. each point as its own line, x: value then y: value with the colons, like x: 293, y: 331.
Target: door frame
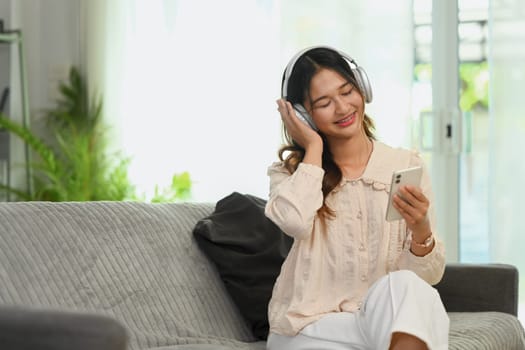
x: 446, y: 124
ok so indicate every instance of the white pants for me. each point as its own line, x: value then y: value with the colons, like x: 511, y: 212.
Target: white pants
x: 398, y: 302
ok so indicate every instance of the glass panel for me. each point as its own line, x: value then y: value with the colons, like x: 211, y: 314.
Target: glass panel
x: 473, y: 71
x: 474, y: 163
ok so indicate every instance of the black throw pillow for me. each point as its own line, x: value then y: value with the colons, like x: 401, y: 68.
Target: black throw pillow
x: 248, y: 250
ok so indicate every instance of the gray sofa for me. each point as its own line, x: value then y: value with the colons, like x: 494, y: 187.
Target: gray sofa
x: 128, y: 275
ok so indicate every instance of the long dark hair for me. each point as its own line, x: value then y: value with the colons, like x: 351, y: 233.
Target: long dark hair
x: 291, y: 153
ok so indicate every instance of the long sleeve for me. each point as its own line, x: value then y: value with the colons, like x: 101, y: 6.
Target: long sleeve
x: 431, y: 266
x: 294, y: 199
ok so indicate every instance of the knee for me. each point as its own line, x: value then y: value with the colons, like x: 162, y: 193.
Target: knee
x: 407, y: 275
x: 409, y: 279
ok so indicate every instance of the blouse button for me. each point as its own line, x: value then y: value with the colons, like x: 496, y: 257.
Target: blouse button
x: 359, y: 215
x: 353, y: 182
x: 363, y: 278
x: 361, y: 247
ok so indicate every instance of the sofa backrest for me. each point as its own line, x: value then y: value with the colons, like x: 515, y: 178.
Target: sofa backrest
x: 137, y: 262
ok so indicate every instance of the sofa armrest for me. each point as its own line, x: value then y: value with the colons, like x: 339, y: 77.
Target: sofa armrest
x: 479, y: 287
x: 22, y: 329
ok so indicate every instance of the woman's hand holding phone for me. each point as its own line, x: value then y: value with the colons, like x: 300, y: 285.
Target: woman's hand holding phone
x: 407, y: 201
x: 413, y: 206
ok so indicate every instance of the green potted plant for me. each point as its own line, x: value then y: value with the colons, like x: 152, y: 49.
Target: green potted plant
x: 74, y: 164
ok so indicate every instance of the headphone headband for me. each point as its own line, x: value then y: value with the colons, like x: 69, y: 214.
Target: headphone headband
x: 359, y: 73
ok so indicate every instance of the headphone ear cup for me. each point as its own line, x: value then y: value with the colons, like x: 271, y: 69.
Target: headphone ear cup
x: 364, y: 83
x: 304, y: 115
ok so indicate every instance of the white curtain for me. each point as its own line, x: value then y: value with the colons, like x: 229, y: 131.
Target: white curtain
x: 507, y: 135
x: 190, y: 85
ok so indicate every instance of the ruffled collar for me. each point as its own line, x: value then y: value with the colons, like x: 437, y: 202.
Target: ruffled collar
x: 383, y: 161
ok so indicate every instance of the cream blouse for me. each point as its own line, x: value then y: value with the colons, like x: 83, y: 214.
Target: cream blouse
x: 330, y: 267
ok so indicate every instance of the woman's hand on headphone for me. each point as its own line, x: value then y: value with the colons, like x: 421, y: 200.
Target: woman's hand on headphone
x: 299, y: 130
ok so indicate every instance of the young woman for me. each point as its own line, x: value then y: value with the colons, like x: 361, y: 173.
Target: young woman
x: 352, y: 280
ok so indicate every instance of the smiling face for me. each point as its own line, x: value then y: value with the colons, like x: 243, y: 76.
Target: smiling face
x: 336, y: 106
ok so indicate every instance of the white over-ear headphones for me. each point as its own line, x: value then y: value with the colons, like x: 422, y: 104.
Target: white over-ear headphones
x: 359, y: 73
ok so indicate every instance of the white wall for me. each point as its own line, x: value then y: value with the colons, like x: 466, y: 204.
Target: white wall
x: 51, y: 45
x: 51, y: 31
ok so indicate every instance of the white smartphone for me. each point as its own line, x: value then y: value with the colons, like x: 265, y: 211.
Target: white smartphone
x: 409, y: 176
